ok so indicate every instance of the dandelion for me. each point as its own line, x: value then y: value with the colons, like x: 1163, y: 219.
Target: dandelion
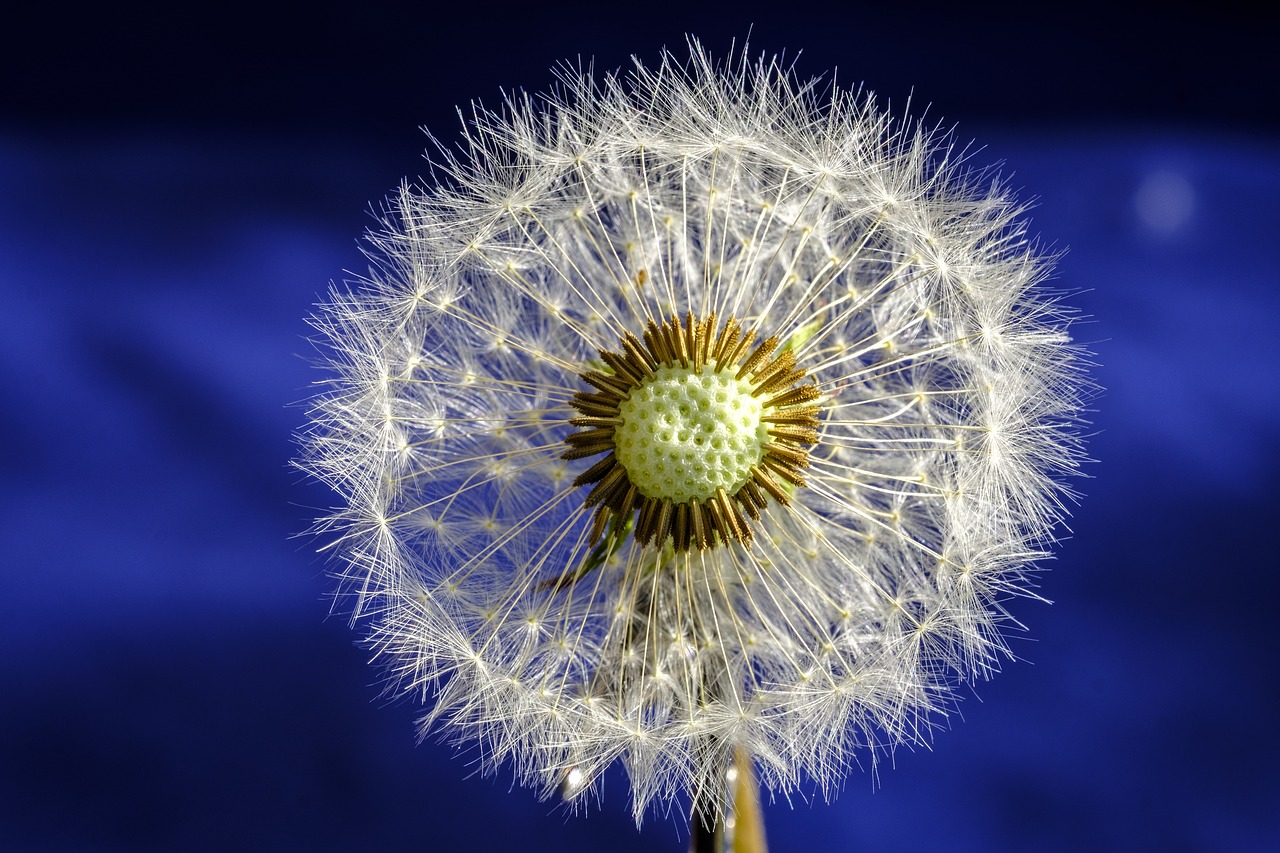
x: 701, y: 419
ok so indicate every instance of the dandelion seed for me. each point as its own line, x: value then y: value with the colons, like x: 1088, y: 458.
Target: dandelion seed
x: 696, y: 419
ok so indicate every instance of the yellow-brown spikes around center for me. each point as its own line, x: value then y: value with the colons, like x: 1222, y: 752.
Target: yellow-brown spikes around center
x: 696, y: 433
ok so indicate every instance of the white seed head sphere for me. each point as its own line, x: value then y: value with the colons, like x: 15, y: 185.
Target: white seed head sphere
x: 691, y: 411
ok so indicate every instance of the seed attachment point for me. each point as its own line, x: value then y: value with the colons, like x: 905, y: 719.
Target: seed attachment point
x: 695, y: 429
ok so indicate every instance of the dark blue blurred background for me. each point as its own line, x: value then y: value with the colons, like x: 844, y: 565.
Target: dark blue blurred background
x: 179, y: 184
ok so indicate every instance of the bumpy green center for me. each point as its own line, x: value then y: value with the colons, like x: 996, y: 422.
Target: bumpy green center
x: 686, y: 434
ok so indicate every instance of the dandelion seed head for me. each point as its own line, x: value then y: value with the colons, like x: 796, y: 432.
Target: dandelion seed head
x: 692, y: 412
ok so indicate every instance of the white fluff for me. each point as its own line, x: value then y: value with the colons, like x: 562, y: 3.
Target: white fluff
x: 908, y: 290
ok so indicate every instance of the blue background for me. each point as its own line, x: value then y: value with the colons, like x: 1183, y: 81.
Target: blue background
x: 175, y: 193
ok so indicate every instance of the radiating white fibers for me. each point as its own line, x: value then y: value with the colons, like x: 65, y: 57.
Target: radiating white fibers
x: 825, y: 616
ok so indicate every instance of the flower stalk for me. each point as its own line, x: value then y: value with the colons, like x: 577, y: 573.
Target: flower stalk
x: 740, y: 830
